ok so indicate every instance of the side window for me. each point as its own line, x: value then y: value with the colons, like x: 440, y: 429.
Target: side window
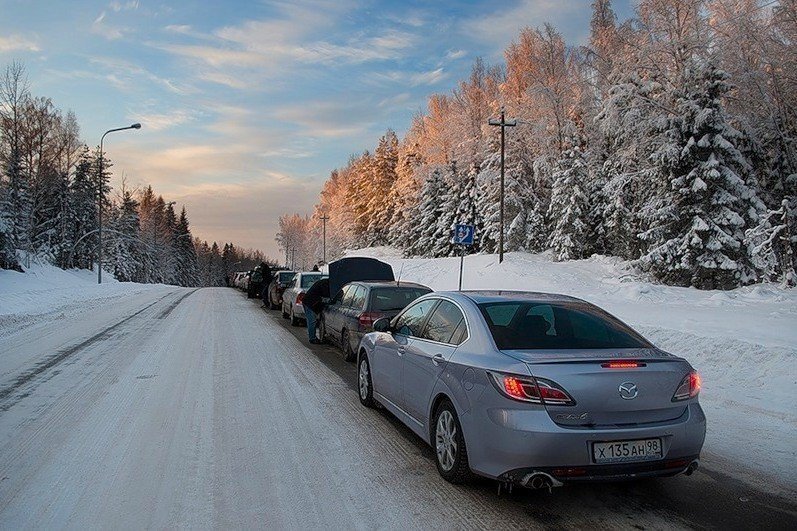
x: 358, y: 299
x: 442, y: 323
x: 348, y: 295
x: 409, y: 323
x: 338, y: 298
x: 460, y: 333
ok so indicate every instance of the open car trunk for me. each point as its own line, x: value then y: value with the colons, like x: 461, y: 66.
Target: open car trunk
x: 346, y: 270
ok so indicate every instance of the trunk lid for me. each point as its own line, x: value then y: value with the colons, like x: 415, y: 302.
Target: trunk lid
x: 588, y: 377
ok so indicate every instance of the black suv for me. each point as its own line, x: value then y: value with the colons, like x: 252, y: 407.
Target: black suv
x: 352, y: 311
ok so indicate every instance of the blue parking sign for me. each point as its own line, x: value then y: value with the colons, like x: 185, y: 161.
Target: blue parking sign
x: 463, y: 234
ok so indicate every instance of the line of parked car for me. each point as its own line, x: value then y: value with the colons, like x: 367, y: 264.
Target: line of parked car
x: 530, y: 389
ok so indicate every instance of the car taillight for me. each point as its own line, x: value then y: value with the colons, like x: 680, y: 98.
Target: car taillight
x: 300, y: 298
x: 534, y: 390
x: 689, y: 387
x: 623, y: 365
x: 368, y: 318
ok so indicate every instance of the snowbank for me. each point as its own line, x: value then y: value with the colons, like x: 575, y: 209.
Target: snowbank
x: 45, y: 290
x: 744, y: 342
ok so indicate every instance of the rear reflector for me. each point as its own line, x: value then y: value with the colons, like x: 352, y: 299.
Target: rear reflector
x: 623, y: 365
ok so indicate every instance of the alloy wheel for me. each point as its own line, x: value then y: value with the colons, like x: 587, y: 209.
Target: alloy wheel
x: 364, y: 379
x: 445, y: 440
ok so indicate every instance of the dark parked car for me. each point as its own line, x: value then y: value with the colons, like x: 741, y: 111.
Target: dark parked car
x: 351, y: 312
x: 255, y: 284
x: 282, y: 279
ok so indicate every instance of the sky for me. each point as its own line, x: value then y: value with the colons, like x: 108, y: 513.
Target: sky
x: 246, y: 107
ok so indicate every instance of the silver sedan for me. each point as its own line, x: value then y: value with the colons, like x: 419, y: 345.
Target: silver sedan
x: 533, y: 389
x: 292, y: 307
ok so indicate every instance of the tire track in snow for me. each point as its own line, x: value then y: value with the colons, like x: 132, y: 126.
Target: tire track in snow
x: 61, y: 356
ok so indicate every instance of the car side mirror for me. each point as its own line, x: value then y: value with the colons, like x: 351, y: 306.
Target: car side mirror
x: 382, y: 325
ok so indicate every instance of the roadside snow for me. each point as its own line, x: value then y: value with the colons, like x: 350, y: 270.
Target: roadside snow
x: 43, y: 291
x: 743, y: 342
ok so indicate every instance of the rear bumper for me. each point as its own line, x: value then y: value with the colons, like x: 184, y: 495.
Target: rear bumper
x: 614, y: 472
x: 507, y: 444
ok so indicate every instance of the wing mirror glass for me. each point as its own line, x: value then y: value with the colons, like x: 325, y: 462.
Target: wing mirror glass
x: 382, y: 325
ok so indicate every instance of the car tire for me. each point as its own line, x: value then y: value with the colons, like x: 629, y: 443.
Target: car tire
x: 345, y: 345
x: 294, y: 319
x: 365, y: 387
x: 448, y: 444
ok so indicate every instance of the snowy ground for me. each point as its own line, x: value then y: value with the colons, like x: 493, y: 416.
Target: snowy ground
x: 743, y: 342
x: 43, y: 292
x: 164, y: 407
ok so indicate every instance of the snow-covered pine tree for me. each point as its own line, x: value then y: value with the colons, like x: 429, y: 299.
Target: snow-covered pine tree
x: 452, y: 191
x: 772, y: 244
x: 125, y: 243
x: 422, y: 242
x: 569, y: 206
x: 699, y: 236
x: 380, y: 201
x: 404, y: 195
x: 188, y: 269
x: 82, y: 212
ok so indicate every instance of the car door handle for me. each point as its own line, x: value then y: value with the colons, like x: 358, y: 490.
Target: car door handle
x: 437, y: 359
x: 401, y: 351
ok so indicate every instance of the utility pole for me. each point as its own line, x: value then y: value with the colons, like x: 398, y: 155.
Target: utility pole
x: 503, y: 124
x: 324, y: 220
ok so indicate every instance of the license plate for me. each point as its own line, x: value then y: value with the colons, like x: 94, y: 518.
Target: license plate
x: 612, y: 452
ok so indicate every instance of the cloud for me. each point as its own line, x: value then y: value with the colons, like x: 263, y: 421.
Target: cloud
x: 503, y: 25
x: 125, y: 74
x: 398, y: 99
x: 456, y: 54
x: 16, y: 42
x: 246, y: 213
x: 332, y: 119
x: 159, y: 122
x: 100, y: 27
x: 126, y: 6
x: 242, y: 56
x: 428, y: 78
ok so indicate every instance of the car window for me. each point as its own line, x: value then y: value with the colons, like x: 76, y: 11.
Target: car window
x: 358, y: 299
x: 557, y: 326
x: 460, y: 333
x: 348, y: 294
x: 410, y: 322
x: 286, y: 277
x: 309, y: 279
x: 442, y: 323
x: 338, y: 298
x: 395, y: 298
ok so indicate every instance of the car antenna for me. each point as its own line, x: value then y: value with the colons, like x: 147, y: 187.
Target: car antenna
x: 398, y: 280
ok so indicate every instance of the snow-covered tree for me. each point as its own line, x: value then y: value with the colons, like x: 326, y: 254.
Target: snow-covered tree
x: 700, y: 235
x: 569, y: 206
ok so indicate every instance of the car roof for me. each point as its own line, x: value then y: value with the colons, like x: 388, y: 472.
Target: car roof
x: 389, y: 284
x: 486, y: 296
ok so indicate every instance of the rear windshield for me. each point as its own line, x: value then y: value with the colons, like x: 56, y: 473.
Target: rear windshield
x: 286, y: 277
x: 388, y: 299
x: 529, y: 325
x: 309, y: 279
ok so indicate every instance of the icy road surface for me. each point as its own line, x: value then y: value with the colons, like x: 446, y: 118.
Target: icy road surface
x: 195, y: 408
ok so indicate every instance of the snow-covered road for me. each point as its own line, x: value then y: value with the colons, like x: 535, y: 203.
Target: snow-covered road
x: 195, y: 408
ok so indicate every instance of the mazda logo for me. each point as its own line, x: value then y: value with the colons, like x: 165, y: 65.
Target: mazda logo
x: 628, y: 390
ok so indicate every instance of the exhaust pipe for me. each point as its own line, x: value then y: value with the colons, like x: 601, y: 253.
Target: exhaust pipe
x: 694, y: 465
x: 540, y: 480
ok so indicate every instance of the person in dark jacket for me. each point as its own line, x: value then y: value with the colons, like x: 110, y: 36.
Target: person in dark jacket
x: 313, y: 303
x: 268, y: 276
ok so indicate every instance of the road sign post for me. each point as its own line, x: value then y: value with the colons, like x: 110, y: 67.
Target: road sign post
x: 463, y: 236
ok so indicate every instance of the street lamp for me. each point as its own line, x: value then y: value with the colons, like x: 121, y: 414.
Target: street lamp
x: 99, y: 197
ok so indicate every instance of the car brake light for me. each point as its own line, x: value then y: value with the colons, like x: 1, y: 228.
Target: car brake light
x: 367, y: 318
x: 688, y: 388
x: 534, y: 390
x: 300, y: 298
x: 622, y: 365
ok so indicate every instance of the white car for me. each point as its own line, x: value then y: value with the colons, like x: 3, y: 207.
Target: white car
x: 292, y: 307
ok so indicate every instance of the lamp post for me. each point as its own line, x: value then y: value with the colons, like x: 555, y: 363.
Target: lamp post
x: 99, y: 197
